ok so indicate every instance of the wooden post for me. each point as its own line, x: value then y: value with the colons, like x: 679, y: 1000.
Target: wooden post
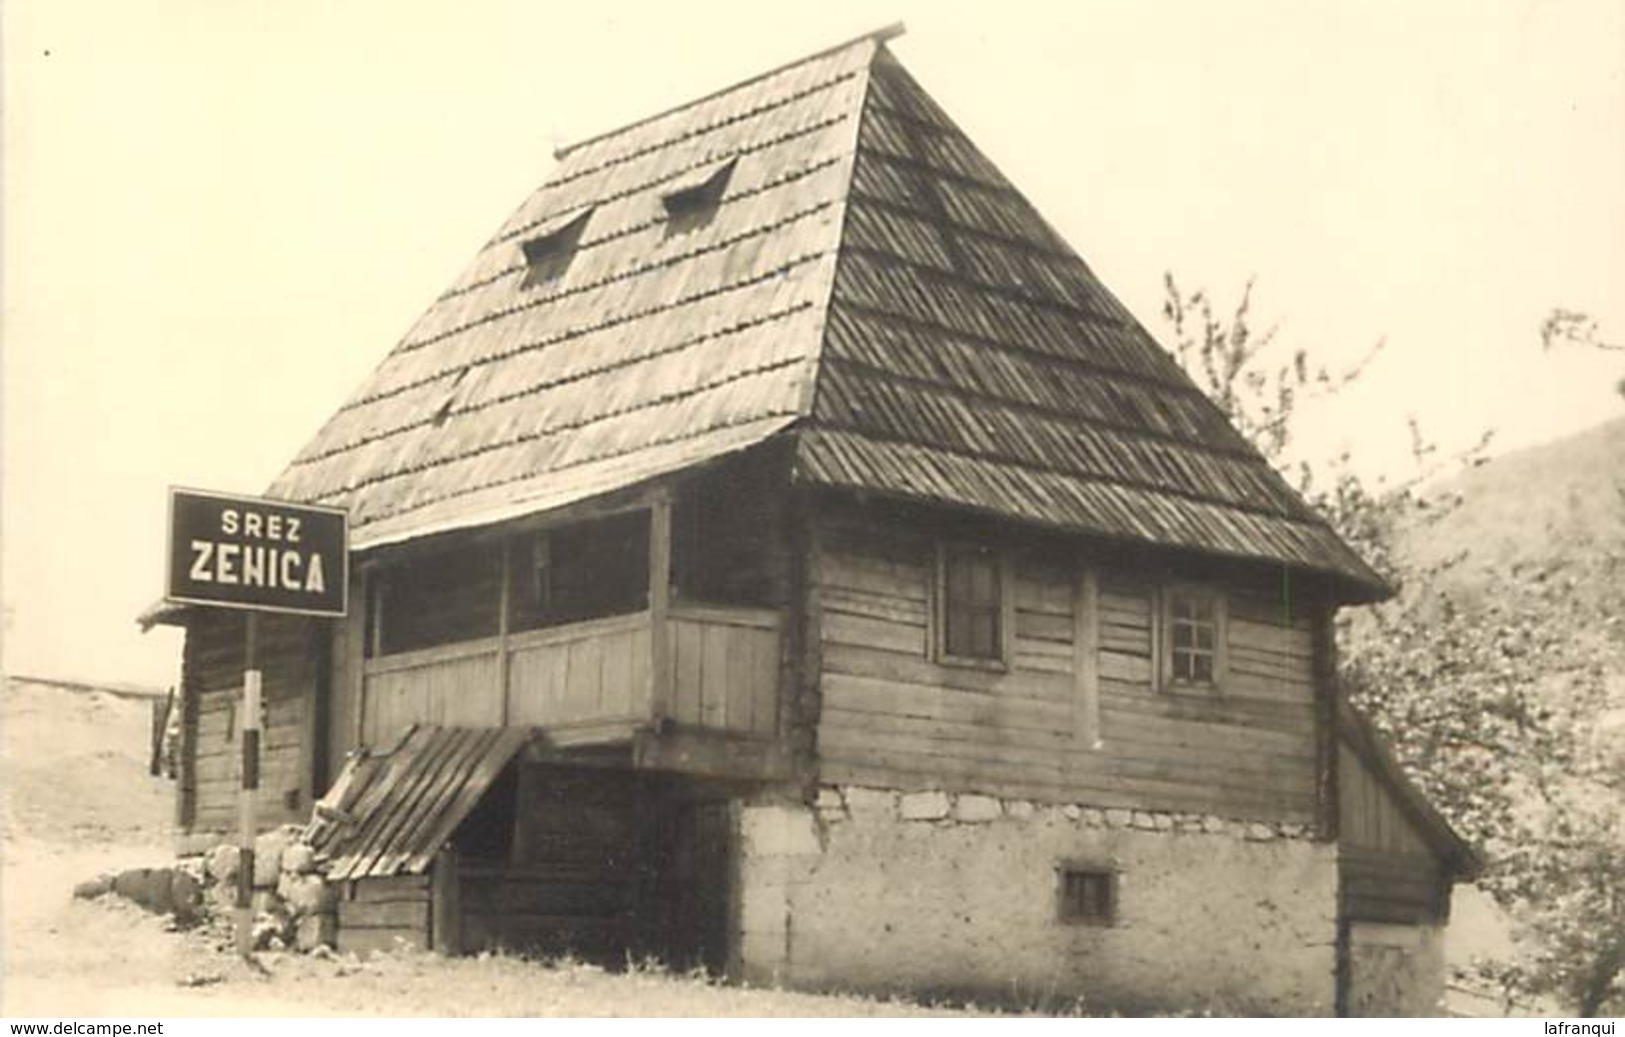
x: 504, y: 605
x: 445, y: 906
x: 660, y: 674
x: 372, y: 643
x: 1327, y: 694
x: 250, y: 728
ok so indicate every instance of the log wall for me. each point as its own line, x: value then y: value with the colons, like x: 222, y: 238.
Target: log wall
x: 569, y: 883
x: 290, y: 658
x: 1076, y: 715
x: 385, y: 914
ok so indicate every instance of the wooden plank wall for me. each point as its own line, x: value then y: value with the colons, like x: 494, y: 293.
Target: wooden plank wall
x: 214, y: 668
x: 587, y: 672
x: 455, y: 686
x: 384, y: 913
x: 726, y: 675
x: 892, y: 717
x: 1389, y: 873
x: 726, y: 669
x: 570, y: 883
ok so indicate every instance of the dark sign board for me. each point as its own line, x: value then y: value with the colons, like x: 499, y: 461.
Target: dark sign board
x: 250, y: 553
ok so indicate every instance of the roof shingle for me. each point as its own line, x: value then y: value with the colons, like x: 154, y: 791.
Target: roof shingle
x: 868, y: 283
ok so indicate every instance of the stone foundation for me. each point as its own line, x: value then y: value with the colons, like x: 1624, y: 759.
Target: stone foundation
x: 1395, y: 970
x: 958, y: 894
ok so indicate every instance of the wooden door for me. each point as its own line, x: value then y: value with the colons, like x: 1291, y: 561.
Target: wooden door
x: 694, y: 886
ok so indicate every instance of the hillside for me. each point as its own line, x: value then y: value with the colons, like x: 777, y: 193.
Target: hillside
x: 1541, y: 532
x: 1550, y: 512
x: 76, y: 763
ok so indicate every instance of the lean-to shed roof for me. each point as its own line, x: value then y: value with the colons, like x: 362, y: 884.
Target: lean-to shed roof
x: 390, y: 813
x: 867, y: 283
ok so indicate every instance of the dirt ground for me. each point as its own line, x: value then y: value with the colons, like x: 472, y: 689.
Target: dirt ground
x: 78, y: 801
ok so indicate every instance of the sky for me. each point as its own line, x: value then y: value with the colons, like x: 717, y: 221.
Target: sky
x: 218, y: 215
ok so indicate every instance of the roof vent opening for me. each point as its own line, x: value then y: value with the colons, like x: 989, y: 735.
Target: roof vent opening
x: 692, y: 200
x: 548, y: 253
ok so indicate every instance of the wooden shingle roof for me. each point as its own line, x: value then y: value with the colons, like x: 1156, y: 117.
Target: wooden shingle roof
x: 866, y: 283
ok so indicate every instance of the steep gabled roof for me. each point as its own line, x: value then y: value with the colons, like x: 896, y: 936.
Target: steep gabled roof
x: 866, y: 283
x: 654, y: 349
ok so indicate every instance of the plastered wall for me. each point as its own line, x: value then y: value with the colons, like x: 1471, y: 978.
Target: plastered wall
x: 957, y: 894
x: 1395, y: 970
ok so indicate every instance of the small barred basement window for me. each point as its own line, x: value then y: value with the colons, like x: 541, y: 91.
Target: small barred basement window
x: 548, y: 254
x: 1194, y: 622
x: 971, y: 598
x: 1088, y: 896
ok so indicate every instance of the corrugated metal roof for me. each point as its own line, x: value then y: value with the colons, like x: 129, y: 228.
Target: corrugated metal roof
x: 389, y: 814
x: 868, y: 282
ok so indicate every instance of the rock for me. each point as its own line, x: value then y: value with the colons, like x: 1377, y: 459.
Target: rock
x: 1258, y: 832
x: 973, y: 809
x: 90, y: 889
x: 1142, y: 820
x: 222, y: 898
x: 298, y: 859
x: 316, y: 933
x: 1212, y: 825
x: 222, y: 863
x: 272, y: 931
x: 1072, y: 811
x: 1020, y: 809
x: 829, y: 798
x: 1164, y: 822
x: 148, y: 887
x: 305, y: 894
x: 186, y: 894
x: 268, y: 856
x: 1094, y: 818
x: 923, y: 806
x: 1118, y: 818
x: 861, y: 802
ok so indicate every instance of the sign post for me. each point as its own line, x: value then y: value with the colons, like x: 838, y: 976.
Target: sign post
x: 247, y: 823
x: 261, y: 556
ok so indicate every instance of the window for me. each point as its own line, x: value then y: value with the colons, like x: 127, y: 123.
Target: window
x: 724, y: 532
x: 1087, y: 895
x: 1193, y: 624
x: 692, y: 199
x: 972, y: 603
x: 580, y: 571
x: 548, y: 254
x: 435, y: 599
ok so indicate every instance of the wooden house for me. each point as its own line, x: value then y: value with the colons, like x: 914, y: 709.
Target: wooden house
x: 779, y: 552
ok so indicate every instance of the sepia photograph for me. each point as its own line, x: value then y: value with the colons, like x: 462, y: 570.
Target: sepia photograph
x: 881, y: 508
